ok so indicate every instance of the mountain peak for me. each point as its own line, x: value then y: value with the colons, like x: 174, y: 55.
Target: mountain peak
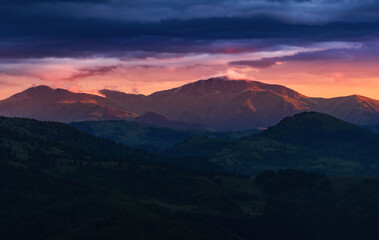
x: 39, y: 88
x: 363, y: 98
x: 31, y: 93
x: 44, y: 93
x: 46, y: 89
x: 221, y: 80
x: 226, y: 86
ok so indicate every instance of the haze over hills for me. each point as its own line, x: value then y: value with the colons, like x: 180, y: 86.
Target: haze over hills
x: 157, y: 119
x: 217, y: 103
x: 149, y: 137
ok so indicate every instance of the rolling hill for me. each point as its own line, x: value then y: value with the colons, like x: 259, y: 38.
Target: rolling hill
x: 24, y: 140
x: 27, y: 137
x: 60, y: 183
x: 307, y: 141
x: 49, y: 191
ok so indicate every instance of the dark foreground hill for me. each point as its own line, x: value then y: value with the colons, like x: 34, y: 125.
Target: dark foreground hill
x: 56, y: 195
x: 308, y: 141
x: 50, y: 143
x: 26, y: 138
x: 374, y: 128
x: 141, y: 202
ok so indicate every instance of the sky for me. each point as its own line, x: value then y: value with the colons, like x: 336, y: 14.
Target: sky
x: 323, y: 48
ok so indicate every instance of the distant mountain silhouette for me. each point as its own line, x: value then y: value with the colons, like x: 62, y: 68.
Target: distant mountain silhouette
x: 217, y: 103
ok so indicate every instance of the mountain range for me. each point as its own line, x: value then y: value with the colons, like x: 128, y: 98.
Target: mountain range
x: 217, y: 104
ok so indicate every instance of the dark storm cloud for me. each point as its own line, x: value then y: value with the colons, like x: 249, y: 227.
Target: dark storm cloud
x: 73, y: 28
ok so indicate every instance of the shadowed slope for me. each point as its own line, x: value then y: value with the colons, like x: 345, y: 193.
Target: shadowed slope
x: 308, y: 141
x: 317, y: 129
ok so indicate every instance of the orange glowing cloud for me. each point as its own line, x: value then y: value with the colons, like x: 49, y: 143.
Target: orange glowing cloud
x: 321, y: 77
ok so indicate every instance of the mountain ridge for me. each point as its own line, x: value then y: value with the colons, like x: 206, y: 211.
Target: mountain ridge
x: 224, y: 104
x: 217, y: 103
x: 48, y: 104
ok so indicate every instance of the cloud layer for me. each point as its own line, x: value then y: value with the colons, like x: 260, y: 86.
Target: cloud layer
x: 128, y: 42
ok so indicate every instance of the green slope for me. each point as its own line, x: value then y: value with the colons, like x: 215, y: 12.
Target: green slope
x: 78, y: 142
x: 54, y: 187
x: 320, y: 130
x: 50, y: 143
x: 307, y: 141
x: 109, y: 199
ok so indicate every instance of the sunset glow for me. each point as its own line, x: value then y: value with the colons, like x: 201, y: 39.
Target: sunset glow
x: 324, y: 55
